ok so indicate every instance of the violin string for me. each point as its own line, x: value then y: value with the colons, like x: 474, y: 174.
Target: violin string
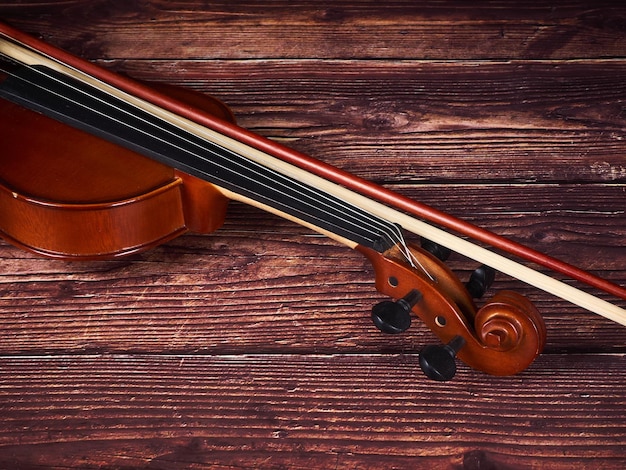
x: 135, y: 128
x: 507, y: 266
x: 393, y: 232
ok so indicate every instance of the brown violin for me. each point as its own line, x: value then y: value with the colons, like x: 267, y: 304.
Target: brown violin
x: 96, y: 166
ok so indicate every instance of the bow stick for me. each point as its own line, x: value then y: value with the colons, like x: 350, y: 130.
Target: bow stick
x: 345, y: 186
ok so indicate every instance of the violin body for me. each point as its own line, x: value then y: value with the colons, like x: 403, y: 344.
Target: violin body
x: 70, y: 195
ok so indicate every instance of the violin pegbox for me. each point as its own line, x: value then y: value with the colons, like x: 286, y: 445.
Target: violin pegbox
x: 501, y: 338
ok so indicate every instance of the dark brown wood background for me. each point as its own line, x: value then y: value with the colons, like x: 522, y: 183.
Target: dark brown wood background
x: 252, y: 347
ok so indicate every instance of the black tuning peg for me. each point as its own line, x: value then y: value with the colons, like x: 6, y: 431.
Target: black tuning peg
x: 440, y: 252
x: 480, y: 280
x: 438, y: 361
x: 395, y: 317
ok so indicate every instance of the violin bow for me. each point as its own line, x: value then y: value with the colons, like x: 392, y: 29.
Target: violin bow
x: 410, y: 215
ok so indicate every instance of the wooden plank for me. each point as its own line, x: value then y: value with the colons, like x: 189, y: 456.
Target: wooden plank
x: 418, y: 122
x: 282, y: 411
x: 262, y: 284
x: 252, y: 347
x: 338, y: 29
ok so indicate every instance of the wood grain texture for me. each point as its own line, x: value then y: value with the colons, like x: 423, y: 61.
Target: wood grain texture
x: 300, y: 411
x: 451, y: 122
x: 330, y: 29
x: 252, y: 347
x: 264, y: 284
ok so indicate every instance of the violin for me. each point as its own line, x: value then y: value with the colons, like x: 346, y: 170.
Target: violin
x: 95, y: 165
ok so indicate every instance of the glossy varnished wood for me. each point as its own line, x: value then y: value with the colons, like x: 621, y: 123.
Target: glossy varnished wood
x: 67, y: 194
x: 252, y: 347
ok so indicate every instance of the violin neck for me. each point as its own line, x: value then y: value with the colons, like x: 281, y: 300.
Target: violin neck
x: 112, y: 118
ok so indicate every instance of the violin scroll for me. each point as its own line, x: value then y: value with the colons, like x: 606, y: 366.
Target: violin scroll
x: 510, y: 321
x: 501, y: 338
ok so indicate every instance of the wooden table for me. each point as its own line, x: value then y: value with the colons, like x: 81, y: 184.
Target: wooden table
x: 253, y: 347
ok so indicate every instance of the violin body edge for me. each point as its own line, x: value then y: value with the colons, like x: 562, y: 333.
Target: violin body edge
x: 70, y: 195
